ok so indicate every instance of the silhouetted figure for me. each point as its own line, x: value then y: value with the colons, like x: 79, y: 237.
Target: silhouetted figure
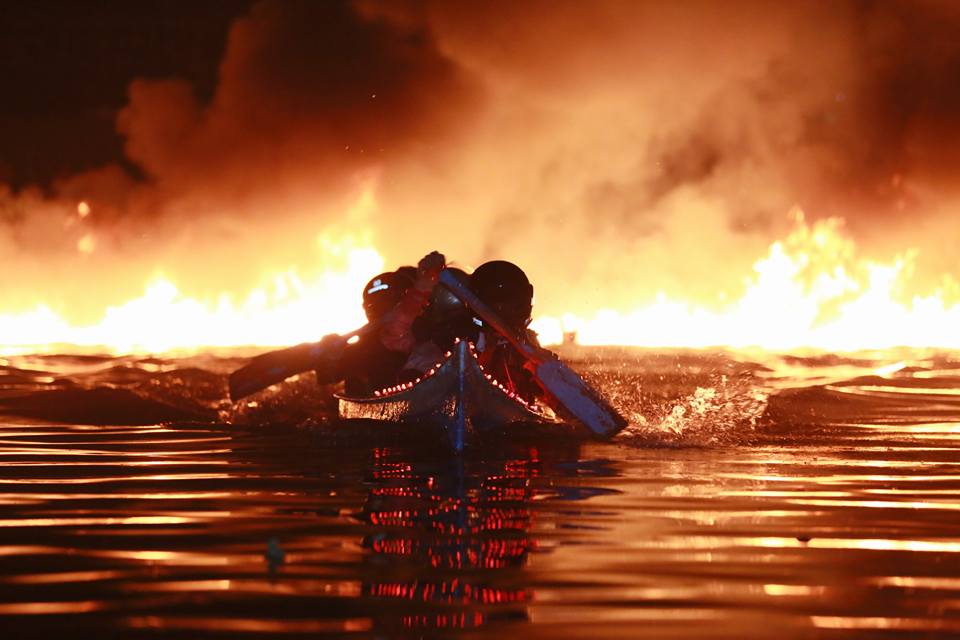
x: 392, y: 302
x: 505, y: 288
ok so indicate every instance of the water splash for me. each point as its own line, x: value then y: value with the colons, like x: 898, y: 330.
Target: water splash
x: 726, y: 412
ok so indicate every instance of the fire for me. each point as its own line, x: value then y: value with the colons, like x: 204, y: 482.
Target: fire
x: 290, y: 309
x: 810, y: 290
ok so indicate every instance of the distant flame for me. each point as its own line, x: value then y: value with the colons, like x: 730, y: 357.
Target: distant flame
x: 810, y: 290
x: 289, y: 310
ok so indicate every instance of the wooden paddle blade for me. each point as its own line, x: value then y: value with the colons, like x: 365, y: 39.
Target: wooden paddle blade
x: 275, y: 366
x: 578, y: 399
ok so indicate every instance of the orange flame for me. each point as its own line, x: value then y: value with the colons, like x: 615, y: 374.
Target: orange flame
x: 810, y: 290
x: 289, y: 310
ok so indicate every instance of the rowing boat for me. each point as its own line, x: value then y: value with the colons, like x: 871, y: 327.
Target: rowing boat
x: 456, y: 396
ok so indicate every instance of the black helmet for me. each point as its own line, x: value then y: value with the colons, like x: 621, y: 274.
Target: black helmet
x: 505, y: 287
x: 383, y: 292
x: 407, y: 272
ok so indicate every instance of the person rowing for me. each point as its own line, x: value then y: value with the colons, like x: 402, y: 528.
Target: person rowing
x: 392, y: 302
x: 365, y: 358
x: 507, y: 349
x: 505, y: 288
x: 367, y: 364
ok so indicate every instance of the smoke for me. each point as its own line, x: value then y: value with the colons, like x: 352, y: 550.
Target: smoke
x: 309, y: 95
x: 636, y: 147
x: 311, y: 102
x: 613, y: 149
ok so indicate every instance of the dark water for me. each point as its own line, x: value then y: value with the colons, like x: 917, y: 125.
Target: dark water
x: 753, y: 497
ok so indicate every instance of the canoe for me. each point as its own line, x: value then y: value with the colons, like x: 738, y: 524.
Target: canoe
x: 456, y: 396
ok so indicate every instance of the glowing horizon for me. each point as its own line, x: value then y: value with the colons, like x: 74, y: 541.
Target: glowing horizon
x: 810, y: 290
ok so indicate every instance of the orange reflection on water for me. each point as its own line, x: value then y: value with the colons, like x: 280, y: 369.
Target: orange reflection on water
x: 918, y: 582
x: 576, y: 614
x: 290, y: 585
x: 250, y: 625
x: 23, y: 550
x: 114, y: 463
x: 30, y: 451
x: 18, y: 498
x: 881, y: 504
x: 796, y: 590
x: 926, y: 427
x: 107, y: 521
x: 878, y: 623
x: 186, y: 585
x: 45, y: 608
x: 871, y: 544
x: 20, y: 449
x: 783, y: 542
x: 127, y: 478
x: 880, y: 544
x: 849, y: 478
x: 100, y: 430
x: 170, y: 557
x: 759, y: 493
x: 95, y: 443
x: 925, y: 391
x: 62, y: 577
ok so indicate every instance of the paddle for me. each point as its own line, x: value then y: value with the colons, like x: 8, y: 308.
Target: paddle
x: 570, y: 394
x: 276, y: 366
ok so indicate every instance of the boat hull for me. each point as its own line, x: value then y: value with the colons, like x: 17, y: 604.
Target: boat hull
x: 457, y: 397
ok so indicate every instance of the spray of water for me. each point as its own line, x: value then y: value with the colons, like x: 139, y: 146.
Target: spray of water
x: 724, y: 412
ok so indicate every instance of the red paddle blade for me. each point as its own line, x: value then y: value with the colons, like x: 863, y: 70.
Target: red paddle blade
x: 578, y: 399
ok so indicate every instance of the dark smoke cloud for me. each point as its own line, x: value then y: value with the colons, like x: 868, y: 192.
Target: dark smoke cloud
x: 65, y: 68
x: 309, y: 93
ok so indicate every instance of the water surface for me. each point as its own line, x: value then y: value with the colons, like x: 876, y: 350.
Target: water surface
x: 753, y: 496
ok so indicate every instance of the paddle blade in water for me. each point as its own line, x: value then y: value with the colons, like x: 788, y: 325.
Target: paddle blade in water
x: 579, y: 399
x: 273, y: 367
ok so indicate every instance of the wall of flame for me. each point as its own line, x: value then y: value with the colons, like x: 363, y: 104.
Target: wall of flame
x: 810, y: 290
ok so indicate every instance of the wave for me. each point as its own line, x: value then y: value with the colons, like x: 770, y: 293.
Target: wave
x: 672, y: 399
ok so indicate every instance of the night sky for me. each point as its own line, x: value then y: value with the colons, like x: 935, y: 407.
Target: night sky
x: 67, y: 67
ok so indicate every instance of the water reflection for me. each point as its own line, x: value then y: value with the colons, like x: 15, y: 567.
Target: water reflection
x: 446, y: 537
